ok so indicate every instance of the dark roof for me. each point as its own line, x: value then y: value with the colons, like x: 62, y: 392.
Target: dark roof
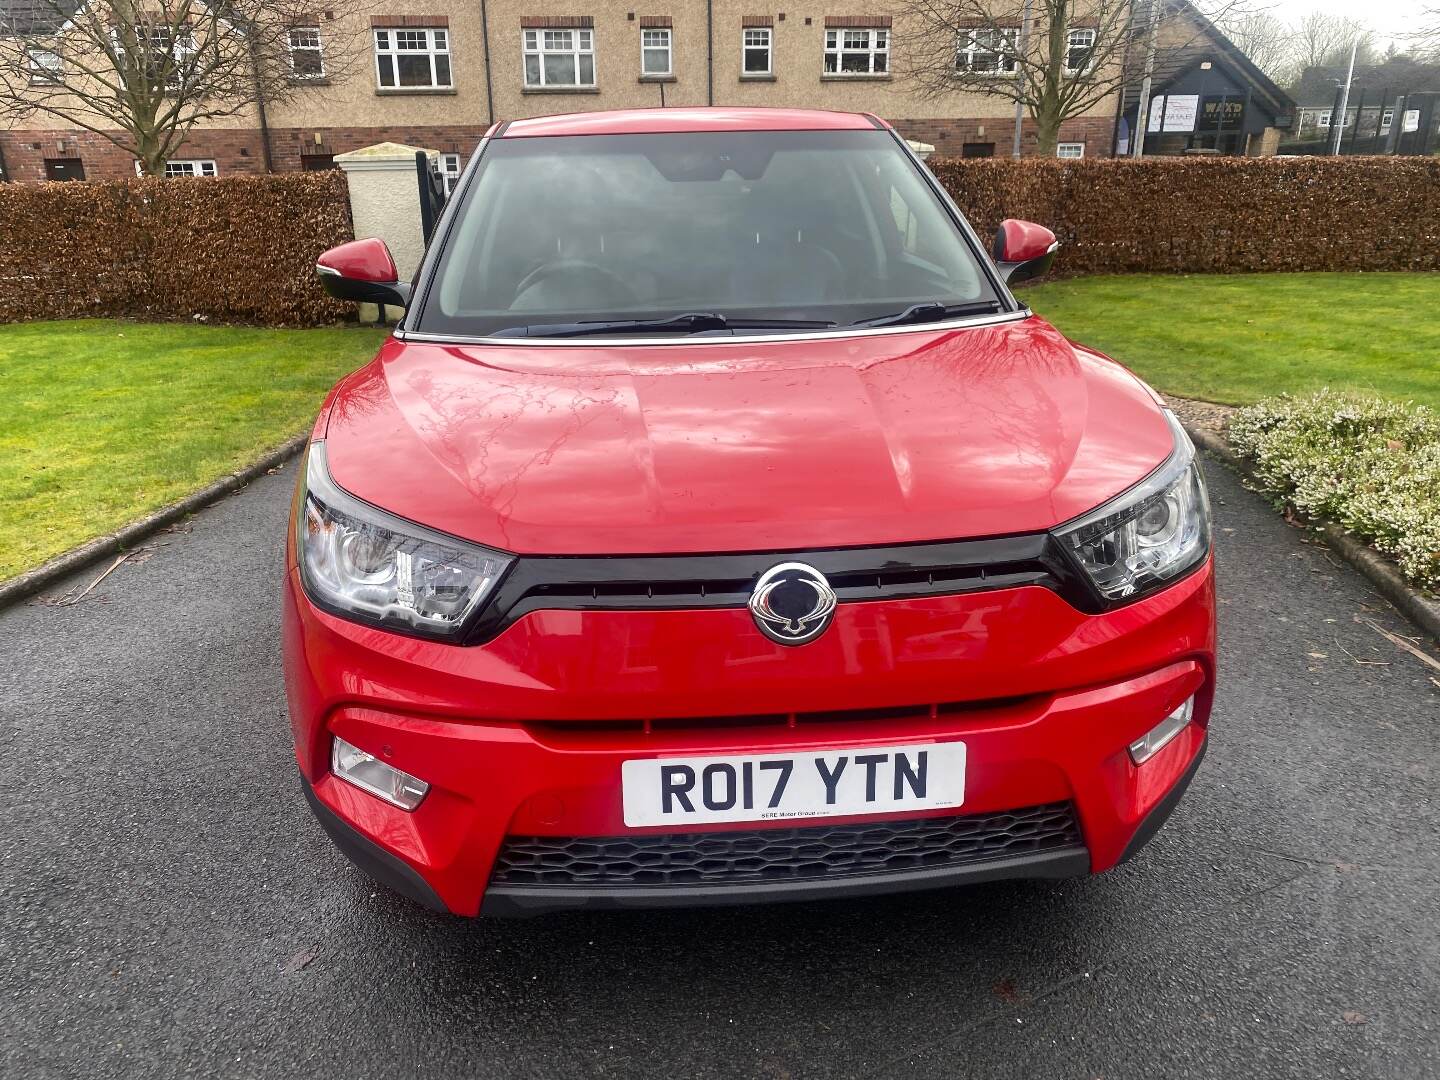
x: 26, y: 17
x: 1283, y: 104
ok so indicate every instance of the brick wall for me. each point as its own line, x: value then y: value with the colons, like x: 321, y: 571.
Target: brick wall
x: 238, y: 152
x: 288, y: 145
x: 950, y: 136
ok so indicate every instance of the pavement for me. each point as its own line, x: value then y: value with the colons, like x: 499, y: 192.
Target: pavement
x: 169, y: 907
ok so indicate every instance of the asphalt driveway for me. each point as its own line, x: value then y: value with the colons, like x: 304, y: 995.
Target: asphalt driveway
x: 167, y: 904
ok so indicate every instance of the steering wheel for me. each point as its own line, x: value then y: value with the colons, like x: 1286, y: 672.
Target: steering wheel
x: 574, y: 268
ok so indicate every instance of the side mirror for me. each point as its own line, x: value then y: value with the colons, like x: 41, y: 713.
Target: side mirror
x: 1023, y: 250
x: 363, y: 271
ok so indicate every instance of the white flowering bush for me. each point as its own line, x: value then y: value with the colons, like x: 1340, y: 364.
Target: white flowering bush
x: 1369, y: 465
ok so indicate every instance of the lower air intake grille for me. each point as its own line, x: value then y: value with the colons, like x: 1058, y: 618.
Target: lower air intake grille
x: 724, y: 858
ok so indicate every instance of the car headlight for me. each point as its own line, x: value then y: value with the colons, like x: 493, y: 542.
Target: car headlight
x: 365, y: 564
x: 1147, y: 536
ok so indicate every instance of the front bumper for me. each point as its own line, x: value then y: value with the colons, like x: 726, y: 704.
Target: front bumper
x: 524, y: 737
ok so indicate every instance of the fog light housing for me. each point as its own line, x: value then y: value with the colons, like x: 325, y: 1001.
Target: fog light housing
x: 369, y: 773
x: 1158, y: 737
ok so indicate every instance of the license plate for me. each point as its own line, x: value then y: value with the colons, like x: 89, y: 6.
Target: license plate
x: 769, y: 787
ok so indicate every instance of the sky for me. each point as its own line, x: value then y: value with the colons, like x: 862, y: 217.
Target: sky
x: 1388, y: 18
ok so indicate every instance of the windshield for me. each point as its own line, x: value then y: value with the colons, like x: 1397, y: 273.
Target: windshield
x: 820, y: 226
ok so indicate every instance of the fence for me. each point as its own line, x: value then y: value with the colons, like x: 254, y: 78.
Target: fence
x: 240, y: 249
x: 1214, y: 215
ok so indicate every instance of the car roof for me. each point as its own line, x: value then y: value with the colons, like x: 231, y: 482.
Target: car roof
x: 652, y: 121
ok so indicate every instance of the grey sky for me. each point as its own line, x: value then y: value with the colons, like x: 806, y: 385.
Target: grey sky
x: 1388, y: 18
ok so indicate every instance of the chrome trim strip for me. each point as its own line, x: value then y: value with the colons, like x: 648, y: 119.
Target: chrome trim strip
x: 690, y: 339
x: 321, y: 268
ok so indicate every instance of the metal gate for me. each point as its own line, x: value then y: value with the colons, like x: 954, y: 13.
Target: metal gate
x: 432, y: 192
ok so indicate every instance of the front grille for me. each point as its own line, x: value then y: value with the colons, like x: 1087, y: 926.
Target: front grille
x: 654, y: 582
x: 804, y: 854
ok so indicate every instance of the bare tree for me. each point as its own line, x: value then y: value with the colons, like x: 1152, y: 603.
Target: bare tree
x: 1267, y: 41
x: 1055, y: 58
x: 1322, y: 40
x: 1427, y: 39
x: 142, y: 74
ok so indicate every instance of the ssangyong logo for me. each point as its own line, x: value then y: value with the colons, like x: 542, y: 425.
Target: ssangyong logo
x: 792, y: 603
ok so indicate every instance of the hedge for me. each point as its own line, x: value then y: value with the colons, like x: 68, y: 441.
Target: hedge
x: 236, y: 249
x: 1213, y: 215
x: 243, y: 248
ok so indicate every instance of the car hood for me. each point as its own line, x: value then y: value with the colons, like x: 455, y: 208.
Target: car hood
x: 711, y: 446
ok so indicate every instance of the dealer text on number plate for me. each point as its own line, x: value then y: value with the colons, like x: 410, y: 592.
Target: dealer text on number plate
x: 770, y: 787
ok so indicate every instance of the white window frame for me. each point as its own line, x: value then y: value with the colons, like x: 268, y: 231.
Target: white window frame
x: 764, y: 39
x: 1322, y: 118
x: 451, y: 166
x: 1070, y: 151
x: 1387, y: 118
x: 434, y: 44
x: 1003, y: 49
x: 192, y: 167
x: 1087, y: 41
x: 542, y: 43
x: 45, y: 66
x: 318, y: 49
x: 179, y: 49
x: 840, y: 43
x: 647, y: 46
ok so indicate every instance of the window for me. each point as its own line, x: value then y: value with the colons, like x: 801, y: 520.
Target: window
x: 559, y: 58
x: 44, y: 65
x: 756, y: 52
x: 654, y: 52
x: 832, y: 226
x: 1080, y: 48
x: 190, y: 168
x: 450, y: 165
x: 1386, y: 119
x: 1323, y: 120
x: 413, y: 59
x: 307, y: 57
x: 857, y: 52
x: 161, y: 54
x: 1070, y: 150
x: 987, y: 51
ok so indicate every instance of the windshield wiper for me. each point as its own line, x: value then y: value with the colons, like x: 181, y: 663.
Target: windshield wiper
x: 692, y: 322
x: 932, y: 312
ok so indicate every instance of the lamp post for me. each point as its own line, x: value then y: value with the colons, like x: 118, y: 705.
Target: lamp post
x: 1337, y: 128
x: 1200, y: 104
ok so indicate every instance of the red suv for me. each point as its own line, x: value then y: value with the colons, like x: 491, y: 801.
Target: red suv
x: 717, y: 527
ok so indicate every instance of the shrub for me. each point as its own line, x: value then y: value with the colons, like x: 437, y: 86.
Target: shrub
x: 1365, y: 463
x: 235, y: 249
x: 1213, y: 215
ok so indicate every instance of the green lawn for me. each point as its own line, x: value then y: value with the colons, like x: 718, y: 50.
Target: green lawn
x: 105, y: 420
x: 1237, y: 338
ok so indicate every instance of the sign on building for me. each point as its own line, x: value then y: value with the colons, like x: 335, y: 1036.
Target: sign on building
x: 1221, y: 112
x: 1174, y: 112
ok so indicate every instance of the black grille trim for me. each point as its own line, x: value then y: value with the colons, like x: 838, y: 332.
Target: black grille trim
x: 673, y: 582
x: 811, y: 853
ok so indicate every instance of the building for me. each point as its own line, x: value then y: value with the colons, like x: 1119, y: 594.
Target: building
x: 438, y: 73
x: 1208, y: 97
x: 1369, y: 125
